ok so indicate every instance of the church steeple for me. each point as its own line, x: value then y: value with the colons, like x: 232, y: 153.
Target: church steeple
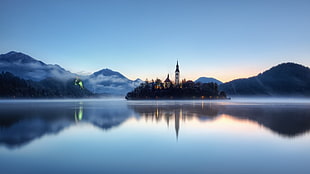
x: 177, y: 74
x: 177, y: 67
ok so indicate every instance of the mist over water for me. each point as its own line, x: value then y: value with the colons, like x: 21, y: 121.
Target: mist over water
x: 242, y: 135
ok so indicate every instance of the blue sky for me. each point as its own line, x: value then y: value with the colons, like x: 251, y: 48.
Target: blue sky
x: 224, y: 39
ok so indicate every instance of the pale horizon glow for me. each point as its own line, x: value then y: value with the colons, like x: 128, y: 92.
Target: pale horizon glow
x: 225, y: 39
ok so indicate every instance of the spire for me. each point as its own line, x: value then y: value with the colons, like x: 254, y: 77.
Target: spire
x: 177, y: 67
x: 177, y: 74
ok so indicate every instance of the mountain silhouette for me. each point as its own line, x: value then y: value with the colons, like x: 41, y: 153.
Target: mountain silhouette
x: 108, y: 72
x: 104, y: 81
x: 208, y: 80
x: 16, y: 57
x: 14, y: 87
x: 28, y: 68
x: 107, y: 81
x: 286, y: 79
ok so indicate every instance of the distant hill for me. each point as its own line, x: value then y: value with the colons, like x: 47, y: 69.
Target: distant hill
x: 107, y: 81
x: 15, y: 87
x: 286, y: 79
x: 29, y: 68
x: 208, y: 80
x: 104, y: 81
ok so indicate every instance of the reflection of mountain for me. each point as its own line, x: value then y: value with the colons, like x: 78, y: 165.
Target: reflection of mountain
x: 106, y: 115
x: 21, y: 123
x: 285, y: 120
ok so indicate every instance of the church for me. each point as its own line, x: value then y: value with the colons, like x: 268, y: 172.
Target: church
x: 168, y: 83
x: 175, y: 90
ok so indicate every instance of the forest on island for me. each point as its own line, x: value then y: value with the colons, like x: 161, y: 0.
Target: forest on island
x: 187, y: 90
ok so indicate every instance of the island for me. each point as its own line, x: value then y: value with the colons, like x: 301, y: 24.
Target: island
x: 184, y: 90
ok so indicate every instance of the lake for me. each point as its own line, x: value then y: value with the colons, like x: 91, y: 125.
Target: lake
x: 118, y: 136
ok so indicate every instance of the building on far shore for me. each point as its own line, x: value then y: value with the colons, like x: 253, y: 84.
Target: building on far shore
x: 167, y: 82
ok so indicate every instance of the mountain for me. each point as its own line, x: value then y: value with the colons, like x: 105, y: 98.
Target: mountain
x: 286, y: 79
x: 208, y: 80
x: 107, y: 81
x: 15, y: 87
x: 104, y: 81
x: 29, y: 68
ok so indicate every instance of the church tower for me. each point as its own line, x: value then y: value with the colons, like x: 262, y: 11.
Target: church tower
x: 177, y: 74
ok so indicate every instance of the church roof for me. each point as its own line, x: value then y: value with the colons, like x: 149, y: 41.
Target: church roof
x: 167, y: 79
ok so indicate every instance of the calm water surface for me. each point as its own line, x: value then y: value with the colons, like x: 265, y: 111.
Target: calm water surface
x: 118, y: 136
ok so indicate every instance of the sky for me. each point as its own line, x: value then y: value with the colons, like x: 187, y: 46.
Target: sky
x: 224, y: 39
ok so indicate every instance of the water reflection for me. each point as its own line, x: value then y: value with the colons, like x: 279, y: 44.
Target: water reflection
x: 78, y: 113
x: 157, y: 111
x: 21, y: 123
x: 287, y: 120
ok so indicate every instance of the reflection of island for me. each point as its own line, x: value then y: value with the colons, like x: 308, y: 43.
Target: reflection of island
x: 23, y: 123
x: 176, y: 112
x: 285, y: 120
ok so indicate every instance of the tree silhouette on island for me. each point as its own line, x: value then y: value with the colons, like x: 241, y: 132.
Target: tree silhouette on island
x: 179, y: 90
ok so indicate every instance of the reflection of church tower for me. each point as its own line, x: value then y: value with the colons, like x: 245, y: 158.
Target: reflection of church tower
x: 177, y: 74
x: 177, y: 123
x: 167, y: 120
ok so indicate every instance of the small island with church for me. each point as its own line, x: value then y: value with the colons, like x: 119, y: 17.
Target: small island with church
x: 183, y: 90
